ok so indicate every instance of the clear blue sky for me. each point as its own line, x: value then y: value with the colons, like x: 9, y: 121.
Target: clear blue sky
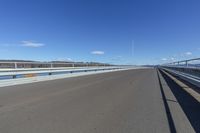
x: 111, y: 31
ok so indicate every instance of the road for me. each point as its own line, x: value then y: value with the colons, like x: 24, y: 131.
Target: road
x: 116, y: 102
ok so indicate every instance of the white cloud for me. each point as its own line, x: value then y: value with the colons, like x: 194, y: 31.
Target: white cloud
x: 31, y: 44
x: 188, y: 53
x: 172, y: 59
x: 164, y: 59
x: 69, y: 59
x: 168, y: 59
x: 63, y: 59
x: 98, y: 52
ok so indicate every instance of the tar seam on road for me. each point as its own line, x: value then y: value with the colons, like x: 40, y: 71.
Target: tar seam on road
x: 169, y: 116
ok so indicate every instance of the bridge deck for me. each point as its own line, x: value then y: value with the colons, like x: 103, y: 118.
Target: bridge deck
x: 118, y: 102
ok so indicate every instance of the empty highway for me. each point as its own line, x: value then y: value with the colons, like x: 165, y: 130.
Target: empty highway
x: 128, y: 101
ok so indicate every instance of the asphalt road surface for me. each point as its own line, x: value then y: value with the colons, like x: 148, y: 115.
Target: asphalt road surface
x: 117, y: 102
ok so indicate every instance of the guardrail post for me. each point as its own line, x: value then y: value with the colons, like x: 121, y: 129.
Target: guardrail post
x: 14, y: 76
x: 15, y: 65
x: 186, y: 63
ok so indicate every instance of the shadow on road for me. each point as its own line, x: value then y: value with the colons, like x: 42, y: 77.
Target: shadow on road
x: 189, y: 104
x: 168, y: 113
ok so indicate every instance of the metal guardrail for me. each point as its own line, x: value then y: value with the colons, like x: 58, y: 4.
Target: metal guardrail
x: 26, y: 74
x: 191, y: 66
x: 47, y: 64
x: 188, y: 70
x: 195, y: 80
x: 194, y: 63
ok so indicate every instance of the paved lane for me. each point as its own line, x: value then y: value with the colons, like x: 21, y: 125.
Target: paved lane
x: 118, y: 102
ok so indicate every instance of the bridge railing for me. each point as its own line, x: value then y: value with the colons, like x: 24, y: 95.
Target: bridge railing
x: 49, y: 72
x: 10, y: 70
x: 191, y: 66
x: 18, y: 65
x: 191, y: 63
x: 188, y: 70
